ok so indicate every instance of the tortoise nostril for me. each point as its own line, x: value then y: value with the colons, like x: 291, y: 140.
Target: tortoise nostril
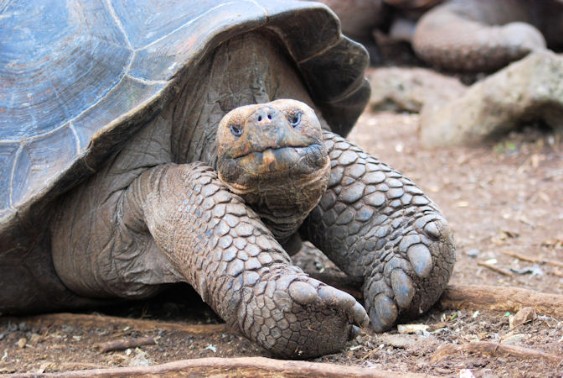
x: 264, y: 115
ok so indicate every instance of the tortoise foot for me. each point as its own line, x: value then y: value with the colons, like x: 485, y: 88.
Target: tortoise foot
x: 410, y: 272
x: 380, y: 229
x: 294, y: 316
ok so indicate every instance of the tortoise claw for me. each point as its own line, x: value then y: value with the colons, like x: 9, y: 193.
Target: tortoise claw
x: 356, y: 313
x: 304, y: 318
x: 402, y: 287
x: 383, y: 313
x: 393, y: 285
x: 421, y: 260
x: 354, y: 332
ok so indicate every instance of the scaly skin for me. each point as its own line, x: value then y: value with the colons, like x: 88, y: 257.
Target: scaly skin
x: 212, y: 240
x: 479, y: 35
x: 205, y: 193
x: 280, y: 170
x: 181, y: 223
x: 238, y: 268
x: 379, y: 228
x: 189, y: 225
x: 218, y: 232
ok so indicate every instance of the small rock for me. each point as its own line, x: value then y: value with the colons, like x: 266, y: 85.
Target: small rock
x: 399, y: 341
x: 525, y: 89
x: 525, y: 315
x: 513, y: 339
x: 22, y: 343
x: 473, y: 252
x: 140, y: 358
x: 34, y: 339
x: 409, y: 89
x: 420, y: 329
x: 44, y: 366
x: 466, y: 373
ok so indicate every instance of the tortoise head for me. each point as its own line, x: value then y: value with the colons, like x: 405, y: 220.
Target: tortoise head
x: 273, y: 156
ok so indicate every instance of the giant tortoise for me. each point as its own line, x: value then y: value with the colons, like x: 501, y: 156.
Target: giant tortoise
x: 482, y: 35
x: 127, y: 164
x: 458, y: 35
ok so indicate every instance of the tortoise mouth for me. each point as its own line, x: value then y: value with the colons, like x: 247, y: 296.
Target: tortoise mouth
x: 274, y: 164
x: 258, y: 152
x: 260, y: 147
x: 301, y: 159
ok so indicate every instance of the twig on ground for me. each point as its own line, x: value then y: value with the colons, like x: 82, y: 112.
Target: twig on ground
x: 91, y: 320
x: 532, y: 259
x: 237, y: 367
x: 496, y: 269
x: 494, y: 350
x: 557, y: 273
x: 123, y: 344
x: 474, y: 297
x: 501, y: 299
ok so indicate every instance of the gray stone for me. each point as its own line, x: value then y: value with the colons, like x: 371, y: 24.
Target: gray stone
x: 531, y: 88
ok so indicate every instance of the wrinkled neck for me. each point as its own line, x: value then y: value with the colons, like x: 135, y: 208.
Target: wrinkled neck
x: 283, y: 202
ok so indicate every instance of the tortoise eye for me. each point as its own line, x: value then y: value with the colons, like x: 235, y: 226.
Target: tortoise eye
x: 236, y: 130
x: 295, y: 119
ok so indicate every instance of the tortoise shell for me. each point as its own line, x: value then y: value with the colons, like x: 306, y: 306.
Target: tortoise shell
x: 73, y: 73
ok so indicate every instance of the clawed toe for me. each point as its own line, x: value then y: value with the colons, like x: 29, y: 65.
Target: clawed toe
x: 303, y: 293
x: 328, y: 297
x: 359, y: 315
x: 383, y: 313
x: 385, y: 302
x: 402, y: 287
x: 354, y: 332
x: 311, y: 318
x: 337, y: 299
x: 423, y: 259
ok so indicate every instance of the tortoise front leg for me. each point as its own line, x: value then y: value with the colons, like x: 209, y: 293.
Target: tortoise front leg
x: 213, y: 241
x: 379, y: 228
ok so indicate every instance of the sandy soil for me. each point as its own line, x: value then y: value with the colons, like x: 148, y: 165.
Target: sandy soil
x: 501, y: 198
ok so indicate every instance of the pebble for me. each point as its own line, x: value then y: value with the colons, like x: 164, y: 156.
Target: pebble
x: 413, y: 328
x: 514, y: 339
x: 399, y: 341
x: 525, y: 315
x: 22, y: 343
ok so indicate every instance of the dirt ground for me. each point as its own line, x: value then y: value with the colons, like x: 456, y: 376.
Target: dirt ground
x: 502, y: 198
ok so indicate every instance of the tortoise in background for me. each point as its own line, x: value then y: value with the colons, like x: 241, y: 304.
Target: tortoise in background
x: 455, y: 35
x: 484, y: 36
x: 118, y: 175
